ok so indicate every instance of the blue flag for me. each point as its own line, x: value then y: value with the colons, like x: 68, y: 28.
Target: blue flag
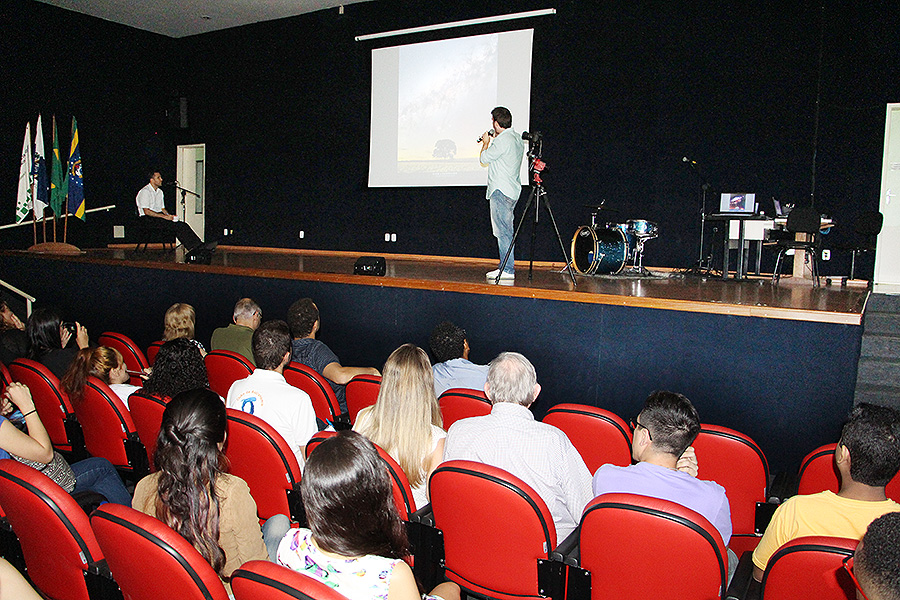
x: 76, y: 183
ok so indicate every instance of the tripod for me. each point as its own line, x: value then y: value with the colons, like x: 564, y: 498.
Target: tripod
x: 537, y: 194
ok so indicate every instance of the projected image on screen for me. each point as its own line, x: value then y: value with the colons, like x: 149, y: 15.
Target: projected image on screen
x: 431, y: 101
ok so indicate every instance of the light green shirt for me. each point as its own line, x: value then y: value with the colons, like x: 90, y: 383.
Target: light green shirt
x: 503, y: 158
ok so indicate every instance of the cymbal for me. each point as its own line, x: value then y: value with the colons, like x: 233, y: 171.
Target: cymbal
x: 600, y: 207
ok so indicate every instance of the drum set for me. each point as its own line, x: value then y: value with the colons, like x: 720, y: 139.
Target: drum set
x: 609, y: 248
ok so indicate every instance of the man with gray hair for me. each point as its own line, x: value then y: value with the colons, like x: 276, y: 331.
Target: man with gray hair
x: 238, y: 336
x: 511, y: 439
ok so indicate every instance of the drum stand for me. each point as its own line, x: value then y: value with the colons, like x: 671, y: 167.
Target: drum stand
x: 637, y: 267
x: 537, y: 193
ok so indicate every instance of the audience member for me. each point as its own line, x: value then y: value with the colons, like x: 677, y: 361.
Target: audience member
x: 179, y: 322
x: 13, y: 585
x: 237, y: 336
x: 266, y: 394
x: 511, y: 439
x: 49, y: 338
x: 877, y: 559
x: 303, y: 318
x: 106, y: 364
x: 356, y: 542
x: 13, y: 339
x: 34, y: 449
x: 406, y: 420
x: 452, y: 368
x: 867, y: 458
x: 192, y: 492
x: 663, y: 432
x: 178, y: 367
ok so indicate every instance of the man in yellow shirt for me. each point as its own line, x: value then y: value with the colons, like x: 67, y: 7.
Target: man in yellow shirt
x: 867, y: 458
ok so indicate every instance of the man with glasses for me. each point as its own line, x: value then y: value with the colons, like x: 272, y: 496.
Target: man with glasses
x: 237, y: 337
x: 867, y: 458
x: 663, y: 434
x: 876, y: 571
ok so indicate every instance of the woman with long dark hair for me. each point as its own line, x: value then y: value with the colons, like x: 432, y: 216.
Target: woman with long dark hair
x: 356, y: 542
x: 178, y: 367
x: 193, y: 493
x: 49, y: 339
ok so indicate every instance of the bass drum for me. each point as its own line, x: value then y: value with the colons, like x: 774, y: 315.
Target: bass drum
x: 599, y: 251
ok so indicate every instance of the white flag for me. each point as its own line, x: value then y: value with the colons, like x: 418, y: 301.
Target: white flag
x: 23, y: 198
x: 39, y: 172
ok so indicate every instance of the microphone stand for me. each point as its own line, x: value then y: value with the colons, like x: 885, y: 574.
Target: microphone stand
x: 184, y: 194
x: 704, y: 263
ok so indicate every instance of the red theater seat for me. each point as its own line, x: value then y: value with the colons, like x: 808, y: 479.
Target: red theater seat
x: 819, y: 473
x: 810, y: 567
x: 149, y: 560
x: 146, y: 412
x: 109, y: 431
x: 224, y: 368
x: 262, y: 580
x: 324, y: 402
x: 134, y: 358
x: 600, y: 436
x: 153, y: 350
x: 361, y: 392
x: 462, y: 403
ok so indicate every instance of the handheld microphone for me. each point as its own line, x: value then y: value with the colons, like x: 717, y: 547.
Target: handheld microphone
x: 481, y: 137
x: 687, y: 160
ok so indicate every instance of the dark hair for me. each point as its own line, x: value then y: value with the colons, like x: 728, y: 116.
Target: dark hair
x: 447, y: 341
x: 271, y: 341
x: 672, y: 420
x: 151, y: 173
x: 189, y: 461
x: 503, y: 117
x: 877, y: 561
x: 179, y: 366
x: 349, y: 501
x: 43, y: 331
x: 302, y: 316
x: 872, y: 435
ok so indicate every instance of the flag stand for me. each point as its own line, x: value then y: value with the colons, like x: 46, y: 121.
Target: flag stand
x: 55, y: 248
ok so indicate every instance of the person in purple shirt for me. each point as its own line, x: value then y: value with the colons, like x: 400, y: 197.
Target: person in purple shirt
x: 663, y: 431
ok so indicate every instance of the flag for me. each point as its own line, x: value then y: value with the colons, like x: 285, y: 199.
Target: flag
x: 76, y: 183
x: 39, y: 172
x: 59, y: 184
x: 23, y: 198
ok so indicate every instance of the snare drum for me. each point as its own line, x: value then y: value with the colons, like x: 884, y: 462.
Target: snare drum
x: 642, y: 229
x: 599, y: 250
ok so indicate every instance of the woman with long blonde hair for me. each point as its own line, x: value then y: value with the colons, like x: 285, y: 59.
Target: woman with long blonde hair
x: 406, y: 420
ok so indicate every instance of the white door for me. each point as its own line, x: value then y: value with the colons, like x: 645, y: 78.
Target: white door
x: 191, y: 175
x: 887, y: 253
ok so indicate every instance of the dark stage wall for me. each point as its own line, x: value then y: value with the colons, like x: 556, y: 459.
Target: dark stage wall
x: 787, y: 384
x: 622, y: 91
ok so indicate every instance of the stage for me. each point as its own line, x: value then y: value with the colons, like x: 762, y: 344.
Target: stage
x: 776, y: 362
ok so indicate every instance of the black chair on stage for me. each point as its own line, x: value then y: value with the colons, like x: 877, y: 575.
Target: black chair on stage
x: 147, y: 234
x: 805, y: 220
x: 865, y: 230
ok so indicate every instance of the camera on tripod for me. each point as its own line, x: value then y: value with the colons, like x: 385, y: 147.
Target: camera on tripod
x: 534, y: 137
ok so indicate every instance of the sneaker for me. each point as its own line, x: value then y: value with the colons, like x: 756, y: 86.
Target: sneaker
x: 505, y: 275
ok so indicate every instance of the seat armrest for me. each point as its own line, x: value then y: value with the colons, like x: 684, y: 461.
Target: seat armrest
x: 743, y: 586
x: 342, y: 422
x: 568, y: 551
x: 424, y: 515
x: 783, y: 486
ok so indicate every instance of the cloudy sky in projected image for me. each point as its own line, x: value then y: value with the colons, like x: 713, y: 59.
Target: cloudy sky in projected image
x: 447, y: 91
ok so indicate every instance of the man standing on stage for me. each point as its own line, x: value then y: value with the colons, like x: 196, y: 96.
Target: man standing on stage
x: 152, y: 210
x: 503, y: 158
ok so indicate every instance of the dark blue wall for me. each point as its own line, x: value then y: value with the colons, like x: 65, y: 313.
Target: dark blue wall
x: 787, y: 384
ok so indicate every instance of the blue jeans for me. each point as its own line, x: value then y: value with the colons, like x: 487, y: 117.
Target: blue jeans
x: 502, y: 213
x: 273, y: 530
x: 98, y: 475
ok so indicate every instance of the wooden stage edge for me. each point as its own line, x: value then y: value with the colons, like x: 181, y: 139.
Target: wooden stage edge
x: 793, y: 299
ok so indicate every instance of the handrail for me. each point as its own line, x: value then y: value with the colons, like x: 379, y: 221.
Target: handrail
x: 27, y: 297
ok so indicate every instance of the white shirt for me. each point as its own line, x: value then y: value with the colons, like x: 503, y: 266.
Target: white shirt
x: 537, y: 453
x: 287, y: 409
x: 123, y: 390
x: 147, y: 197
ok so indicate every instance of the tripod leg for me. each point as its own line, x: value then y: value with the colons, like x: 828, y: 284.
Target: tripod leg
x: 534, y: 222
x: 559, y: 239
x: 515, y: 236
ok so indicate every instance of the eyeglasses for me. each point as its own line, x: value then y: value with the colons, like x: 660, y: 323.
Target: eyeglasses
x: 635, y: 425
x: 848, y: 566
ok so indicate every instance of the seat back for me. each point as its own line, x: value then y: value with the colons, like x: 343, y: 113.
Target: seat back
x: 263, y: 580
x: 134, y: 358
x: 818, y: 471
x: 260, y: 456
x: 803, y: 219
x: 495, y: 529
x: 52, y: 405
x: 56, y: 538
x: 641, y: 547
x: 462, y: 403
x: 324, y: 402
x: 361, y: 391
x: 810, y: 567
x: 153, y: 350
x: 149, y: 560
x: 600, y: 436
x: 109, y: 431
x: 146, y: 413
x: 5, y: 377
x: 224, y: 367
x: 735, y: 462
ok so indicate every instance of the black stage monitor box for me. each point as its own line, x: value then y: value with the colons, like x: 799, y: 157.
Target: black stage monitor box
x: 369, y: 265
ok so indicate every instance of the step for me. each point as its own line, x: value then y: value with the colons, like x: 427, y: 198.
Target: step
x: 883, y: 303
x: 879, y: 371
x: 876, y: 394
x: 881, y: 323
x: 880, y: 346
